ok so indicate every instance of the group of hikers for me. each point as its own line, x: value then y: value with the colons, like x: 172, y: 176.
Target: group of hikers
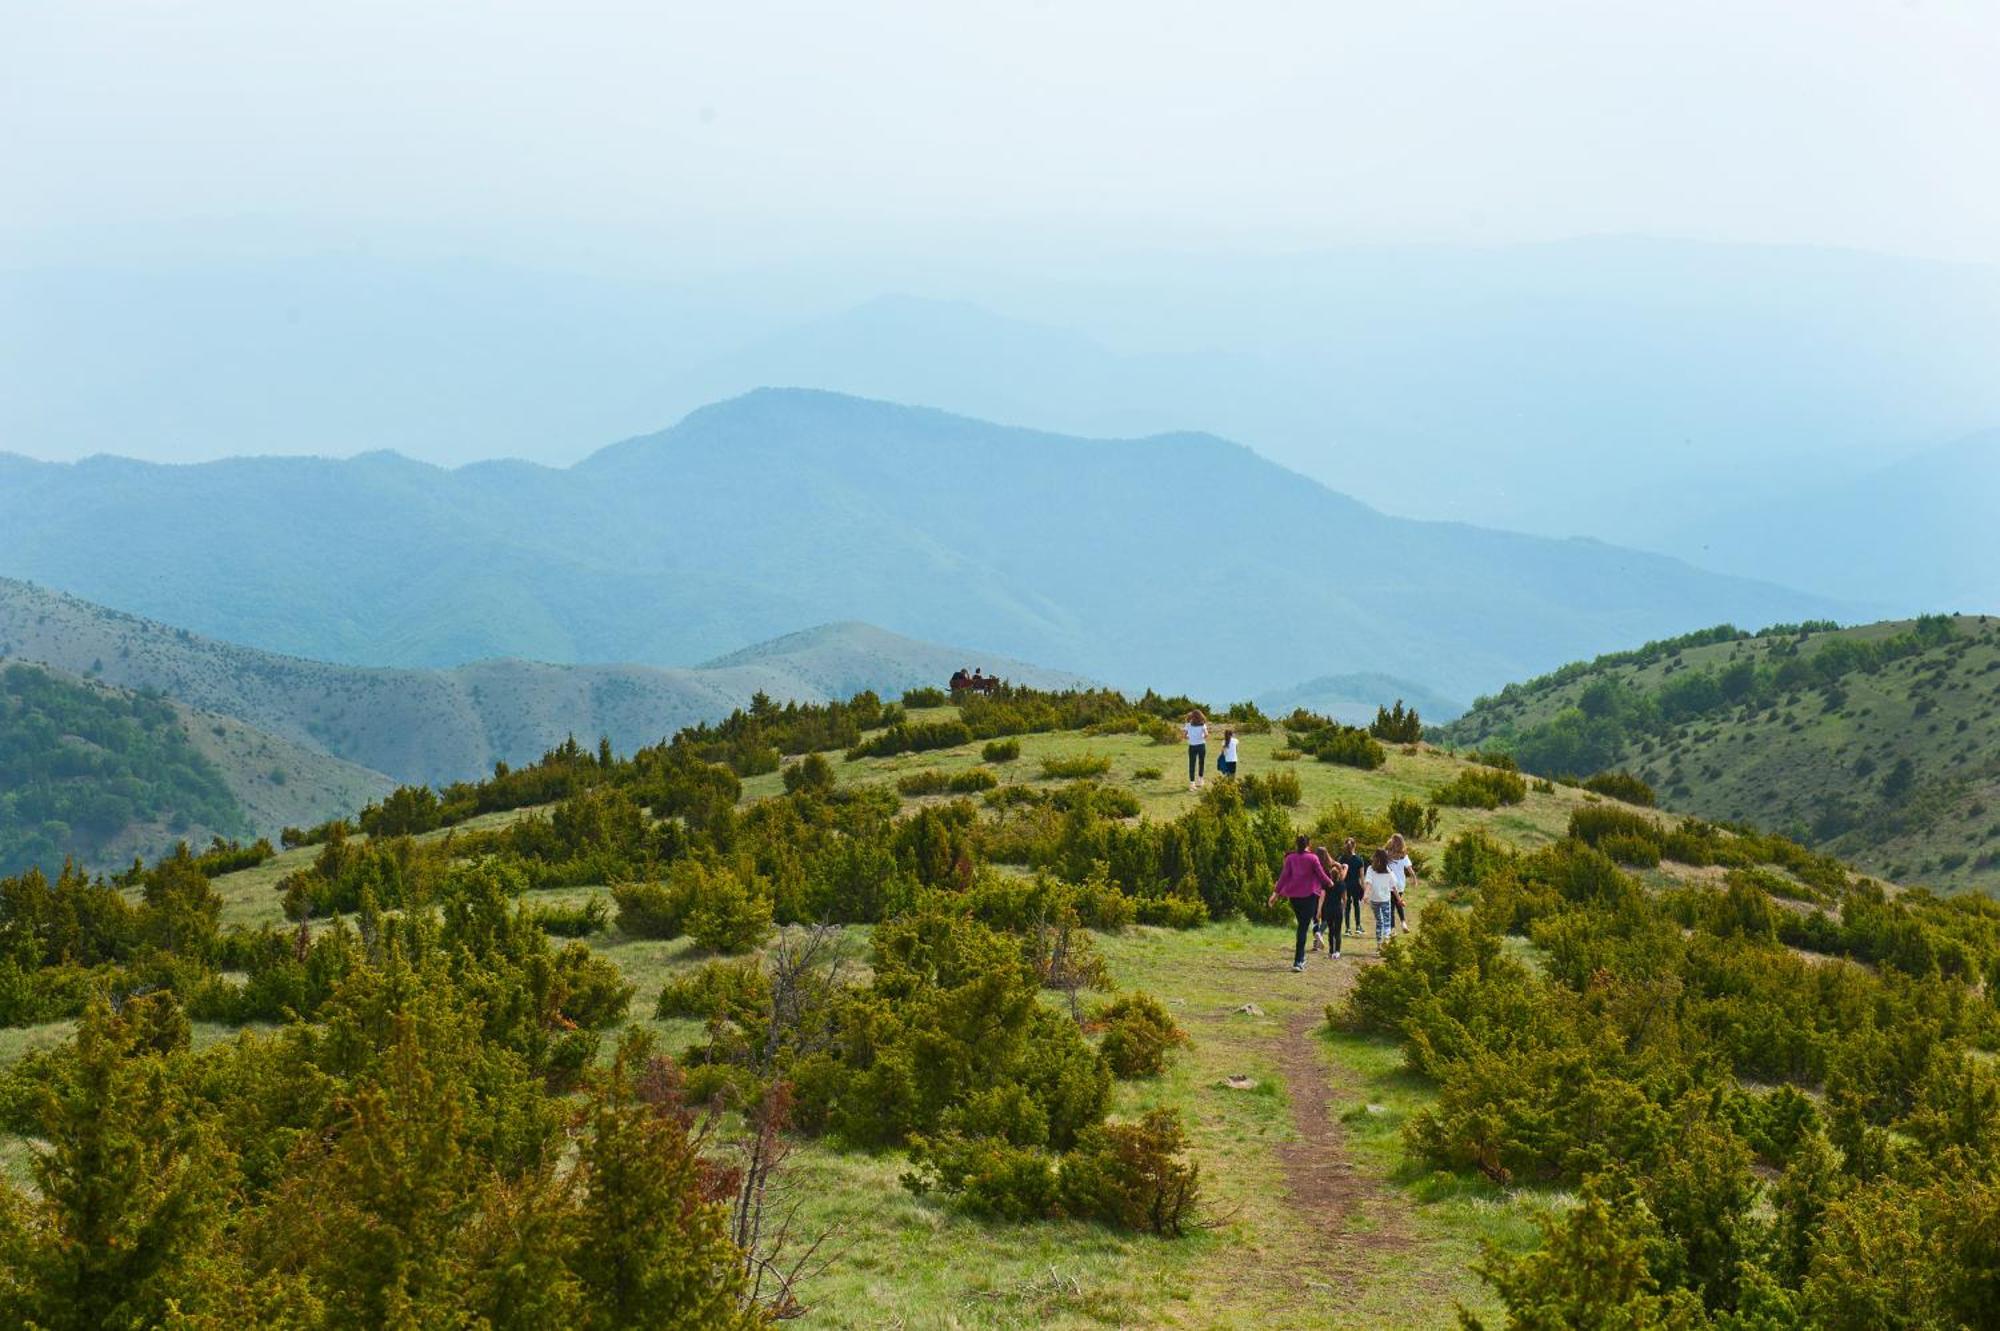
x: 1326, y: 891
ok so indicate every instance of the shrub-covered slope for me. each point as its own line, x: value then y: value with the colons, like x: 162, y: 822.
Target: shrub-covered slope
x: 449, y: 978
x: 1880, y: 743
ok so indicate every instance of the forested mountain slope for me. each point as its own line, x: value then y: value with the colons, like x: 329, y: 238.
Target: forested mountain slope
x: 1181, y: 560
x: 102, y: 774
x: 1880, y: 743
x: 449, y: 725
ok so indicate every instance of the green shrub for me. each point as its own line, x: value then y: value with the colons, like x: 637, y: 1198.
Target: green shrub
x: 1346, y: 745
x: 1276, y: 788
x: 904, y: 737
x: 934, y: 781
x: 1001, y: 750
x: 575, y: 920
x: 1481, y: 788
x: 1593, y: 822
x: 734, y: 990
x: 1621, y: 786
x: 1471, y: 857
x: 1146, y: 774
x: 1412, y: 819
x: 988, y: 1177
x: 810, y: 773
x: 925, y: 697
x: 728, y: 915
x: 650, y: 910
x: 1139, y: 1035
x: 1133, y: 1175
x: 1340, y: 820
x: 1397, y: 725
x: 1286, y: 755
x: 1075, y: 766
x: 1172, y: 912
x: 1636, y: 851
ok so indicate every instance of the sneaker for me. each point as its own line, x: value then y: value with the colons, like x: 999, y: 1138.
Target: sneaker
x: 1298, y: 966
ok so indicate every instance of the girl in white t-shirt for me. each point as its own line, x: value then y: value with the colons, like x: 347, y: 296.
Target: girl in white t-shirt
x: 1405, y: 874
x: 1380, y: 885
x: 1226, y: 764
x: 1196, y: 730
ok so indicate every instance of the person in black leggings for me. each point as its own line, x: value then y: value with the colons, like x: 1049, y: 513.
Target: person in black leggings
x: 1352, y: 865
x: 1196, y: 729
x: 1331, y: 905
x: 1302, y: 881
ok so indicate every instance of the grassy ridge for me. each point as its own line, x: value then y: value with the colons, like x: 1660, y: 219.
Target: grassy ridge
x: 1337, y: 1102
x: 916, y: 1262
x: 1879, y: 743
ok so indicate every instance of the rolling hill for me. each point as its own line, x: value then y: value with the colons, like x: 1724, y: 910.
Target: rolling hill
x: 1879, y: 743
x: 102, y: 774
x: 434, y: 726
x: 1183, y: 560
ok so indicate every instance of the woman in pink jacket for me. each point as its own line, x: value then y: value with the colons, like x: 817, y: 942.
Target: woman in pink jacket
x: 1303, y: 881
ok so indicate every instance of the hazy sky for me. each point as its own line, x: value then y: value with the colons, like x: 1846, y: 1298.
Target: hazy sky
x: 747, y: 131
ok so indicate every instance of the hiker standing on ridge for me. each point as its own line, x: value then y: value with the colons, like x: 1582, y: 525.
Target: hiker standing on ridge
x: 1196, y: 730
x: 1303, y: 881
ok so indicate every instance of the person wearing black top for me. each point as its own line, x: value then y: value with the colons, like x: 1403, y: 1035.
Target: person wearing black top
x: 1350, y: 908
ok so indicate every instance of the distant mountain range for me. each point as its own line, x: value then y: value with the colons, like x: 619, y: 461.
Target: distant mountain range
x: 1606, y: 386
x: 435, y: 726
x: 1182, y: 561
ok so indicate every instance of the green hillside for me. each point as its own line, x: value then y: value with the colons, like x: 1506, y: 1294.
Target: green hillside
x: 1051, y: 989
x: 1879, y: 743
x: 81, y: 767
x: 102, y: 774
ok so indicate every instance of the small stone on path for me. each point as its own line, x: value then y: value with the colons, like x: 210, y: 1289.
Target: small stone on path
x: 1240, y: 1083
x: 1251, y: 1009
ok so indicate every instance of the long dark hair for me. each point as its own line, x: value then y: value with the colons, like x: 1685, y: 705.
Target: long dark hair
x: 1381, y: 864
x: 1303, y: 843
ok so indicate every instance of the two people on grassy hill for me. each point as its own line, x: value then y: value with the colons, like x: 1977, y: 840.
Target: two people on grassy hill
x: 1303, y: 881
x: 1195, y: 727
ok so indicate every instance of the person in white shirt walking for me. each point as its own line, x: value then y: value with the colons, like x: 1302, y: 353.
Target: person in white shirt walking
x: 1196, y: 730
x: 1404, y: 872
